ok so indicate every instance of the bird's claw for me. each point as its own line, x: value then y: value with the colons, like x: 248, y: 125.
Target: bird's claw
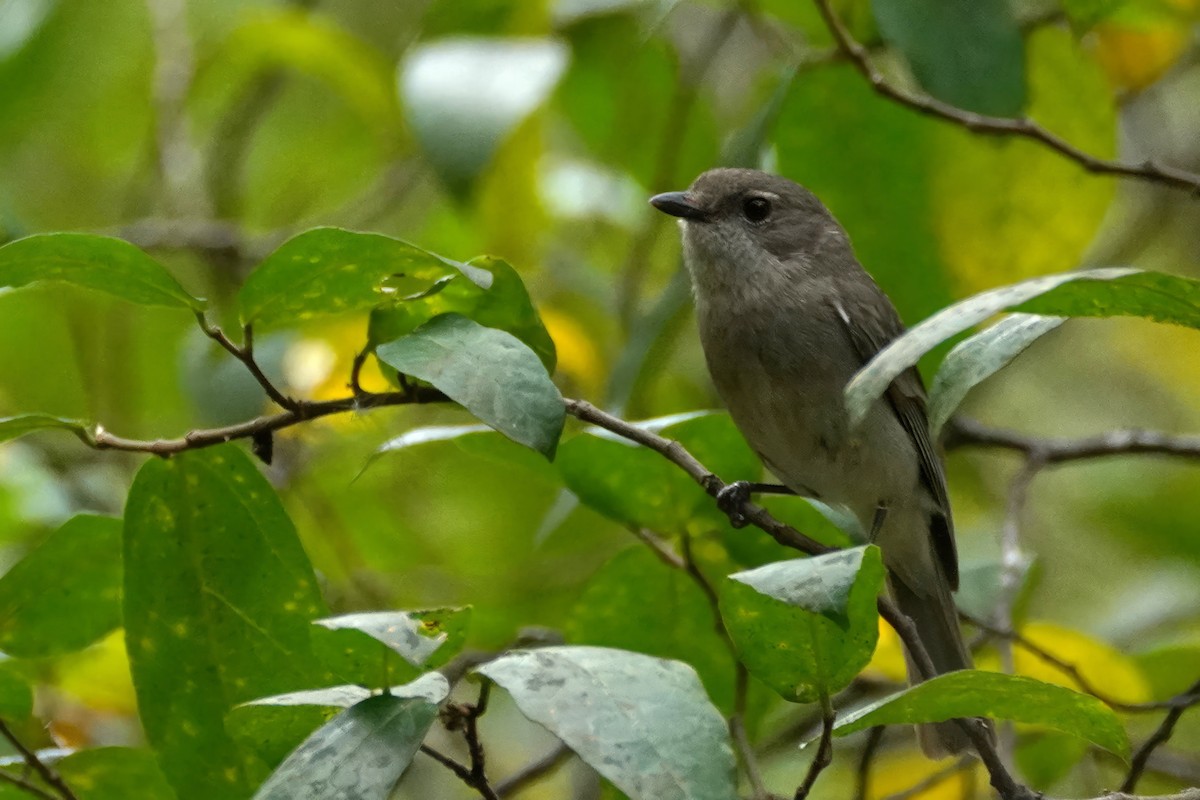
x: 732, y: 500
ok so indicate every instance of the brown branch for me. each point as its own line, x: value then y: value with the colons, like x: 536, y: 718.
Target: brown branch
x: 475, y: 745
x: 43, y: 770
x: 1021, y: 127
x: 961, y: 432
x: 862, y: 776
x: 245, y: 354
x: 1160, y: 736
x: 788, y: 536
x: 534, y: 771
x: 824, y: 755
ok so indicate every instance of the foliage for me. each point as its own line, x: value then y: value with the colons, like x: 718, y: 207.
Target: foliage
x: 311, y: 529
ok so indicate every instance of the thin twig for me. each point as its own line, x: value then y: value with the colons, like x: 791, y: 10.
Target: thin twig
x: 245, y: 354
x: 931, y: 780
x: 961, y: 432
x: 862, y: 782
x: 26, y: 786
x: 1160, y: 736
x: 1021, y: 127
x: 534, y: 771
x: 449, y: 763
x: 475, y: 744
x: 1185, y: 699
x: 44, y: 771
x: 824, y: 755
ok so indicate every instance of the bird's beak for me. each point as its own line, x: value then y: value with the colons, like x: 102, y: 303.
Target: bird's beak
x: 677, y: 204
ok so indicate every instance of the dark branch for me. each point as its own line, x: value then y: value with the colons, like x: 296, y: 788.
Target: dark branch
x: 1160, y: 736
x: 962, y: 432
x: 863, y: 774
x: 1021, y: 127
x: 43, y: 770
x: 534, y: 771
x: 245, y: 354
x: 824, y: 756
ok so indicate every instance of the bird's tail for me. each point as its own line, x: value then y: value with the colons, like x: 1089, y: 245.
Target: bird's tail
x: 937, y: 627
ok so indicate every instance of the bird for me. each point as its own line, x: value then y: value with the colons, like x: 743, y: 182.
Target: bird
x: 787, y: 315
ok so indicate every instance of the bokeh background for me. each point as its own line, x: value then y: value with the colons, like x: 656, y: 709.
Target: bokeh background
x: 209, y: 131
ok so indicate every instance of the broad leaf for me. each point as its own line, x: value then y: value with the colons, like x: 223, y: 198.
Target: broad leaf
x: 275, y: 726
x: 971, y: 693
x: 1107, y: 292
x: 16, y: 695
x: 334, y: 271
x: 218, y: 598
x: 635, y: 602
x: 643, y: 723
x: 501, y: 302
x: 969, y: 54
x: 82, y: 561
x: 806, y: 627
x: 114, y: 773
x: 975, y: 360
x: 362, y: 751
x: 417, y: 636
x: 100, y: 263
x: 16, y: 427
x: 490, y: 372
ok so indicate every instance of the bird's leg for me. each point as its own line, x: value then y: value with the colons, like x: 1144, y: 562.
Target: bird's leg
x: 877, y: 523
x: 732, y: 499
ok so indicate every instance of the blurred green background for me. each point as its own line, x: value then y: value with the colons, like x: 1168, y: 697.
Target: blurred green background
x: 207, y: 132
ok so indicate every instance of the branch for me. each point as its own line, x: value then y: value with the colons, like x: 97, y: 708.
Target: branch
x: 863, y: 774
x: 1021, y: 127
x: 824, y: 756
x: 962, y: 432
x: 245, y: 354
x: 788, y: 536
x: 44, y: 771
x: 1161, y: 735
x: 533, y: 771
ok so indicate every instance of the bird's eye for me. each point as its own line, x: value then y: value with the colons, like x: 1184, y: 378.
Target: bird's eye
x: 756, y: 209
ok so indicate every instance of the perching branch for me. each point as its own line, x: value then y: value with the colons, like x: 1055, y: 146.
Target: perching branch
x: 1021, y: 127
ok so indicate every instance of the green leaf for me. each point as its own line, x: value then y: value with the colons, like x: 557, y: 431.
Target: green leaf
x: 503, y: 303
x: 100, y: 263
x: 114, y: 773
x: 418, y: 636
x: 643, y: 723
x: 463, y: 96
x: 1105, y: 292
x: 362, y: 751
x: 275, y: 726
x: 970, y: 55
x: 82, y: 561
x: 971, y: 693
x: 976, y: 359
x: 635, y: 602
x: 328, y: 271
x: 16, y: 695
x: 16, y: 427
x: 218, y: 599
x: 489, y: 372
x: 806, y: 627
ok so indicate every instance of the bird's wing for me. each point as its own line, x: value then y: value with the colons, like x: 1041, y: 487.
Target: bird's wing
x: 875, y: 325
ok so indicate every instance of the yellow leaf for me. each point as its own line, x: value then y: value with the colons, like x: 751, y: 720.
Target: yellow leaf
x: 895, y: 773
x: 578, y: 357
x: 888, y: 661
x: 1101, y: 665
x: 99, y: 677
x: 1135, y: 57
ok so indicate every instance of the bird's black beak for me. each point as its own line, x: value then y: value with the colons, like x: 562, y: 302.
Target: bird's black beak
x: 677, y: 204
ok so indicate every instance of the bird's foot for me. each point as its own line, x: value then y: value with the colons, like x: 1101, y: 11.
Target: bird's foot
x: 732, y: 501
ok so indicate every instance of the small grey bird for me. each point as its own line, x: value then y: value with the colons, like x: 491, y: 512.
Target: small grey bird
x: 787, y: 316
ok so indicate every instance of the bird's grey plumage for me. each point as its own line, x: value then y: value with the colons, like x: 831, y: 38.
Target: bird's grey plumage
x: 787, y: 315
